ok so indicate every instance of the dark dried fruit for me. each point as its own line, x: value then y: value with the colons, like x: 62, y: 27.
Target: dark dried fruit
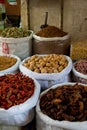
x: 65, y: 103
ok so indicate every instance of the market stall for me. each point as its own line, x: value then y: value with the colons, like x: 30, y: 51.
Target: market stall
x: 43, y: 66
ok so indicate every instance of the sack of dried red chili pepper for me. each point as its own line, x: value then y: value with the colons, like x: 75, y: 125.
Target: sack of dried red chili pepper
x: 18, y: 96
x: 63, y: 106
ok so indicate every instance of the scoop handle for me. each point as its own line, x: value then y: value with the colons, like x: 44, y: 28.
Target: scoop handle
x: 46, y: 18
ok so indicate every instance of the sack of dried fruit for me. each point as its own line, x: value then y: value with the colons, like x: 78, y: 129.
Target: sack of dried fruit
x: 62, y: 107
x: 18, y: 97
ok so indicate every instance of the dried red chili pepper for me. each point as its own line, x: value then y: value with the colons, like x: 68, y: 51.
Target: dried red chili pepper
x: 15, y: 89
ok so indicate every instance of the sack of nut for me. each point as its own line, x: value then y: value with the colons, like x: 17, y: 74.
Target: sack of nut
x: 47, y: 69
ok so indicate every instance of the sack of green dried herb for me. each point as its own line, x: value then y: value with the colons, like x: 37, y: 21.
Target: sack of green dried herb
x: 16, y: 41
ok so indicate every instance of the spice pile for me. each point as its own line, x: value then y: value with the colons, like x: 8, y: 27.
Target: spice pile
x: 15, y: 32
x: 7, y: 62
x: 15, y: 89
x: 65, y: 103
x: 51, y: 31
x: 78, y: 50
x: 52, y: 63
x: 81, y: 66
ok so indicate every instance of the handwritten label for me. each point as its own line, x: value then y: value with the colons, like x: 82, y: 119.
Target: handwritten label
x: 5, y: 48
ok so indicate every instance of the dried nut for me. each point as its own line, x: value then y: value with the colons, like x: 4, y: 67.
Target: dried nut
x: 52, y: 63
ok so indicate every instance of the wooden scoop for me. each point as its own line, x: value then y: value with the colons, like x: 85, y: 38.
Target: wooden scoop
x: 45, y: 23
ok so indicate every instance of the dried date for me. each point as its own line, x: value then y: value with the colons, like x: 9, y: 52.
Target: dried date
x: 66, y: 103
